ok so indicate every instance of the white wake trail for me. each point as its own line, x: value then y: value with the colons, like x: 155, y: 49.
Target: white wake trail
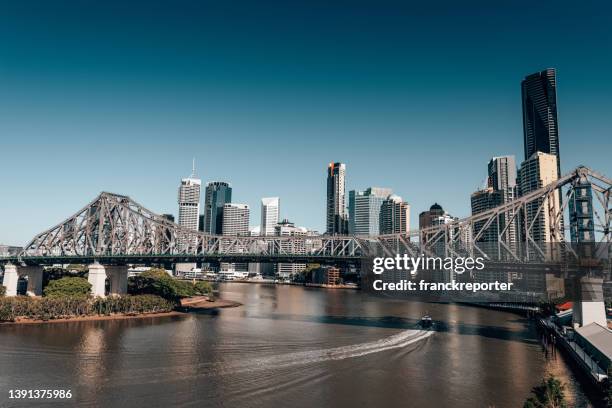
x: 395, y: 341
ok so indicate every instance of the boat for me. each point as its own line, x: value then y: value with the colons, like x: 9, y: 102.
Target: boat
x: 426, y: 321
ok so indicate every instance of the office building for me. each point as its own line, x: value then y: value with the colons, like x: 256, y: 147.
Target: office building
x: 235, y: 222
x: 502, y: 178
x: 426, y: 217
x: 394, y: 216
x: 286, y: 228
x: 582, y: 227
x: 217, y: 194
x: 189, y: 211
x: 337, y: 219
x: 235, y: 219
x: 364, y: 210
x: 536, y: 172
x: 189, y: 203
x: 483, y: 200
x: 540, y: 125
x: 270, y: 210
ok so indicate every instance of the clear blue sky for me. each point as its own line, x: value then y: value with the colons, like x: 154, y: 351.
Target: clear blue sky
x: 119, y: 96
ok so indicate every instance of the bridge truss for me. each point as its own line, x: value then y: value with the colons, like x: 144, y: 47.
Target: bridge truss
x: 114, y: 226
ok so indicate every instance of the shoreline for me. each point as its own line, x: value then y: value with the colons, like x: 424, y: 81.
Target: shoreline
x: 94, y: 318
x: 192, y: 304
x: 202, y: 303
x: 306, y: 285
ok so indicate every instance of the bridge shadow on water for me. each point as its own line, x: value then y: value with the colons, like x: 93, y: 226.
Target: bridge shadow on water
x: 524, y: 334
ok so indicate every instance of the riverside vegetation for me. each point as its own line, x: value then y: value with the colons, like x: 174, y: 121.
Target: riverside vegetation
x: 69, y: 295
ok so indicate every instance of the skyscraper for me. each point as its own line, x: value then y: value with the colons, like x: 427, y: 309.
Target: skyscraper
x: 582, y: 227
x: 236, y: 219
x: 270, y: 209
x: 502, y: 175
x: 189, y: 202
x: 540, y: 125
x: 218, y: 193
x: 483, y: 200
x: 364, y: 210
x: 536, y: 172
x: 235, y: 222
x: 502, y: 179
x: 394, y: 216
x: 336, y: 221
x: 189, y: 211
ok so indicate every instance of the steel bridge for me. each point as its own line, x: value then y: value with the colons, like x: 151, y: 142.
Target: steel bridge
x: 114, y: 230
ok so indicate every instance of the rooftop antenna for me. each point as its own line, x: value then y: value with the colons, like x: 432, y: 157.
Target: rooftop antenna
x: 193, y: 173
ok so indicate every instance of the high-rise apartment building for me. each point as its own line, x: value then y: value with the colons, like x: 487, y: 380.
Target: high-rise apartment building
x: 218, y: 193
x: 540, y: 125
x: 336, y: 221
x: 270, y: 210
x: 394, y: 216
x: 364, y: 210
x: 536, y: 172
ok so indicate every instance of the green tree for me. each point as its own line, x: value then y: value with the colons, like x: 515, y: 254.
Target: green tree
x: 203, y: 288
x: 549, y: 394
x: 68, y: 287
x: 158, y: 282
x: 2, y: 291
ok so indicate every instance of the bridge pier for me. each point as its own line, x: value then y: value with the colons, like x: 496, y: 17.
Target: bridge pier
x: 35, y: 279
x: 97, y: 278
x: 589, y: 306
x: 11, y: 276
x: 118, y: 279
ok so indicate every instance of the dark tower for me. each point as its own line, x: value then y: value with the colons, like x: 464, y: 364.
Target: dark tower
x: 540, y: 125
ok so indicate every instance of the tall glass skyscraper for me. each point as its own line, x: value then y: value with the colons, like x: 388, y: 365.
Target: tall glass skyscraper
x: 364, y: 210
x: 540, y: 125
x: 502, y: 179
x: 337, y: 220
x: 218, y: 193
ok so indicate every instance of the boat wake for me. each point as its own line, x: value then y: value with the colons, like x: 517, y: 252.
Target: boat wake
x: 395, y: 341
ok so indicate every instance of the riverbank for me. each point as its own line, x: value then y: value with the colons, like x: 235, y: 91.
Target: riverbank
x: 25, y: 320
x: 188, y: 304
x: 307, y: 285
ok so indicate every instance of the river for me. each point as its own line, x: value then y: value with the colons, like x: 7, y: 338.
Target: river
x: 286, y: 346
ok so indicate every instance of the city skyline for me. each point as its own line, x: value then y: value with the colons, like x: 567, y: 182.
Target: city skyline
x: 266, y: 108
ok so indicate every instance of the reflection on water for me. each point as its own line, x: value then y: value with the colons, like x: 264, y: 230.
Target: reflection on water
x: 287, y: 346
